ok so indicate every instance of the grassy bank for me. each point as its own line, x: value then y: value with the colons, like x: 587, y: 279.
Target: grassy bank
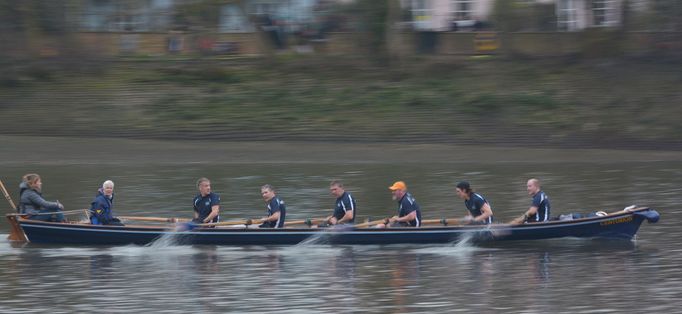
x: 558, y: 103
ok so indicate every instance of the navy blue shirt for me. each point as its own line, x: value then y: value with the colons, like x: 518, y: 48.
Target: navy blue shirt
x: 474, y: 205
x: 203, y: 204
x: 408, y: 204
x: 541, y: 201
x: 345, y: 203
x: 101, y: 209
x: 276, y: 205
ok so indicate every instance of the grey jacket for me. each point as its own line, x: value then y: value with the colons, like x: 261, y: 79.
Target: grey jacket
x: 31, y: 201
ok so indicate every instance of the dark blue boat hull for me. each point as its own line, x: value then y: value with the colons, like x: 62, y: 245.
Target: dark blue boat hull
x: 620, y: 225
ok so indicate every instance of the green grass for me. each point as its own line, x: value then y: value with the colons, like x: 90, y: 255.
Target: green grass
x: 496, y: 100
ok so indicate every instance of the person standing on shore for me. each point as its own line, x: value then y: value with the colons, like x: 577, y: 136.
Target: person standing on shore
x: 206, y: 203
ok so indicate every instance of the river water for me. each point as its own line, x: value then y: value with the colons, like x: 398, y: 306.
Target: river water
x: 157, y: 179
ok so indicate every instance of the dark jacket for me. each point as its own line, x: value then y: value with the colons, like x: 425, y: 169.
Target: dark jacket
x: 101, y: 209
x: 31, y: 201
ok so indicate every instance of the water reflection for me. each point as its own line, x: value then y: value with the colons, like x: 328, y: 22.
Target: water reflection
x: 331, y: 278
x: 571, y: 275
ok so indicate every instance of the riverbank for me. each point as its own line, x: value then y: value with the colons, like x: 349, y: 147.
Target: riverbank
x: 484, y: 101
x: 81, y: 151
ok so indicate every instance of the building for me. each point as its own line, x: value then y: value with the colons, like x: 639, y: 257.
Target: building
x: 158, y: 15
x: 570, y: 15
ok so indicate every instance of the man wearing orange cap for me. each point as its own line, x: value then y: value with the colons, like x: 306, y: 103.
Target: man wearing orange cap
x: 409, y: 214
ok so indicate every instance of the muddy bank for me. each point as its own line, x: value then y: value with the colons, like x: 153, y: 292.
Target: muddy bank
x: 72, y: 150
x: 621, y: 104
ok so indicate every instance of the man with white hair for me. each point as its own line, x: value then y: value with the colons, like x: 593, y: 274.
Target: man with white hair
x: 101, y: 209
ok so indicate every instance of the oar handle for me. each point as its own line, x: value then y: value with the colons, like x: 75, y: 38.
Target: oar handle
x: 442, y: 221
x: 372, y: 223
x: 154, y: 219
x: 246, y: 222
x: 50, y: 213
x: 307, y: 221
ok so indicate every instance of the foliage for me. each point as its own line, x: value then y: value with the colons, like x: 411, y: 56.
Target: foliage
x: 197, y: 15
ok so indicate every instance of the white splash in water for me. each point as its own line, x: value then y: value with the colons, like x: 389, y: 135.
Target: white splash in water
x: 323, y: 237
x: 168, y: 239
x: 463, y: 246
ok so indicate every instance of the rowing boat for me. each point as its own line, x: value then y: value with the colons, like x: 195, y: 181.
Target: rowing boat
x: 622, y: 224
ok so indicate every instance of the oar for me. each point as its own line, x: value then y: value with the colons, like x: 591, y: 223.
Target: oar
x: 63, y: 212
x: 246, y: 222
x: 442, y: 221
x: 7, y: 197
x: 154, y: 219
x: 518, y: 220
x: 307, y: 221
x: 372, y: 223
x: 17, y: 234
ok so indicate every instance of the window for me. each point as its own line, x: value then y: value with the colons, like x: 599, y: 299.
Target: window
x: 603, y: 13
x: 421, y: 14
x: 567, y: 11
x: 232, y: 19
x: 463, y: 10
x: 114, y: 16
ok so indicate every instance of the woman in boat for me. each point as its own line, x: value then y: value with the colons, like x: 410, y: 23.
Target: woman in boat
x: 206, y: 203
x: 479, y: 209
x: 101, y: 209
x: 409, y: 213
x: 277, y: 210
x: 32, y: 203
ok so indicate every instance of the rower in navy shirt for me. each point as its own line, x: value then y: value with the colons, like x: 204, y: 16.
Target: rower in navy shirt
x: 206, y: 203
x: 345, y: 209
x: 479, y: 209
x: 277, y: 211
x: 539, y: 209
x: 409, y: 214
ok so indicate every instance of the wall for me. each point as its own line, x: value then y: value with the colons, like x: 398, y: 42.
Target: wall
x: 591, y: 43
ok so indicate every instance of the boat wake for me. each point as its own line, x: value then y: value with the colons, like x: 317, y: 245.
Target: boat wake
x: 322, y: 238
x: 463, y: 246
x: 168, y: 239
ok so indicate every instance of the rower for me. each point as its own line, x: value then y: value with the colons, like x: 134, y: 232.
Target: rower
x: 32, y: 203
x: 101, y: 208
x: 345, y: 209
x: 277, y: 210
x: 479, y: 209
x: 206, y: 203
x: 539, y: 208
x: 409, y: 214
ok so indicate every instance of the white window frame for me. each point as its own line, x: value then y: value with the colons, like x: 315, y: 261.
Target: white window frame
x: 114, y: 16
x: 459, y: 12
x: 233, y: 20
x: 422, y: 13
x: 605, y: 14
x: 567, y: 15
